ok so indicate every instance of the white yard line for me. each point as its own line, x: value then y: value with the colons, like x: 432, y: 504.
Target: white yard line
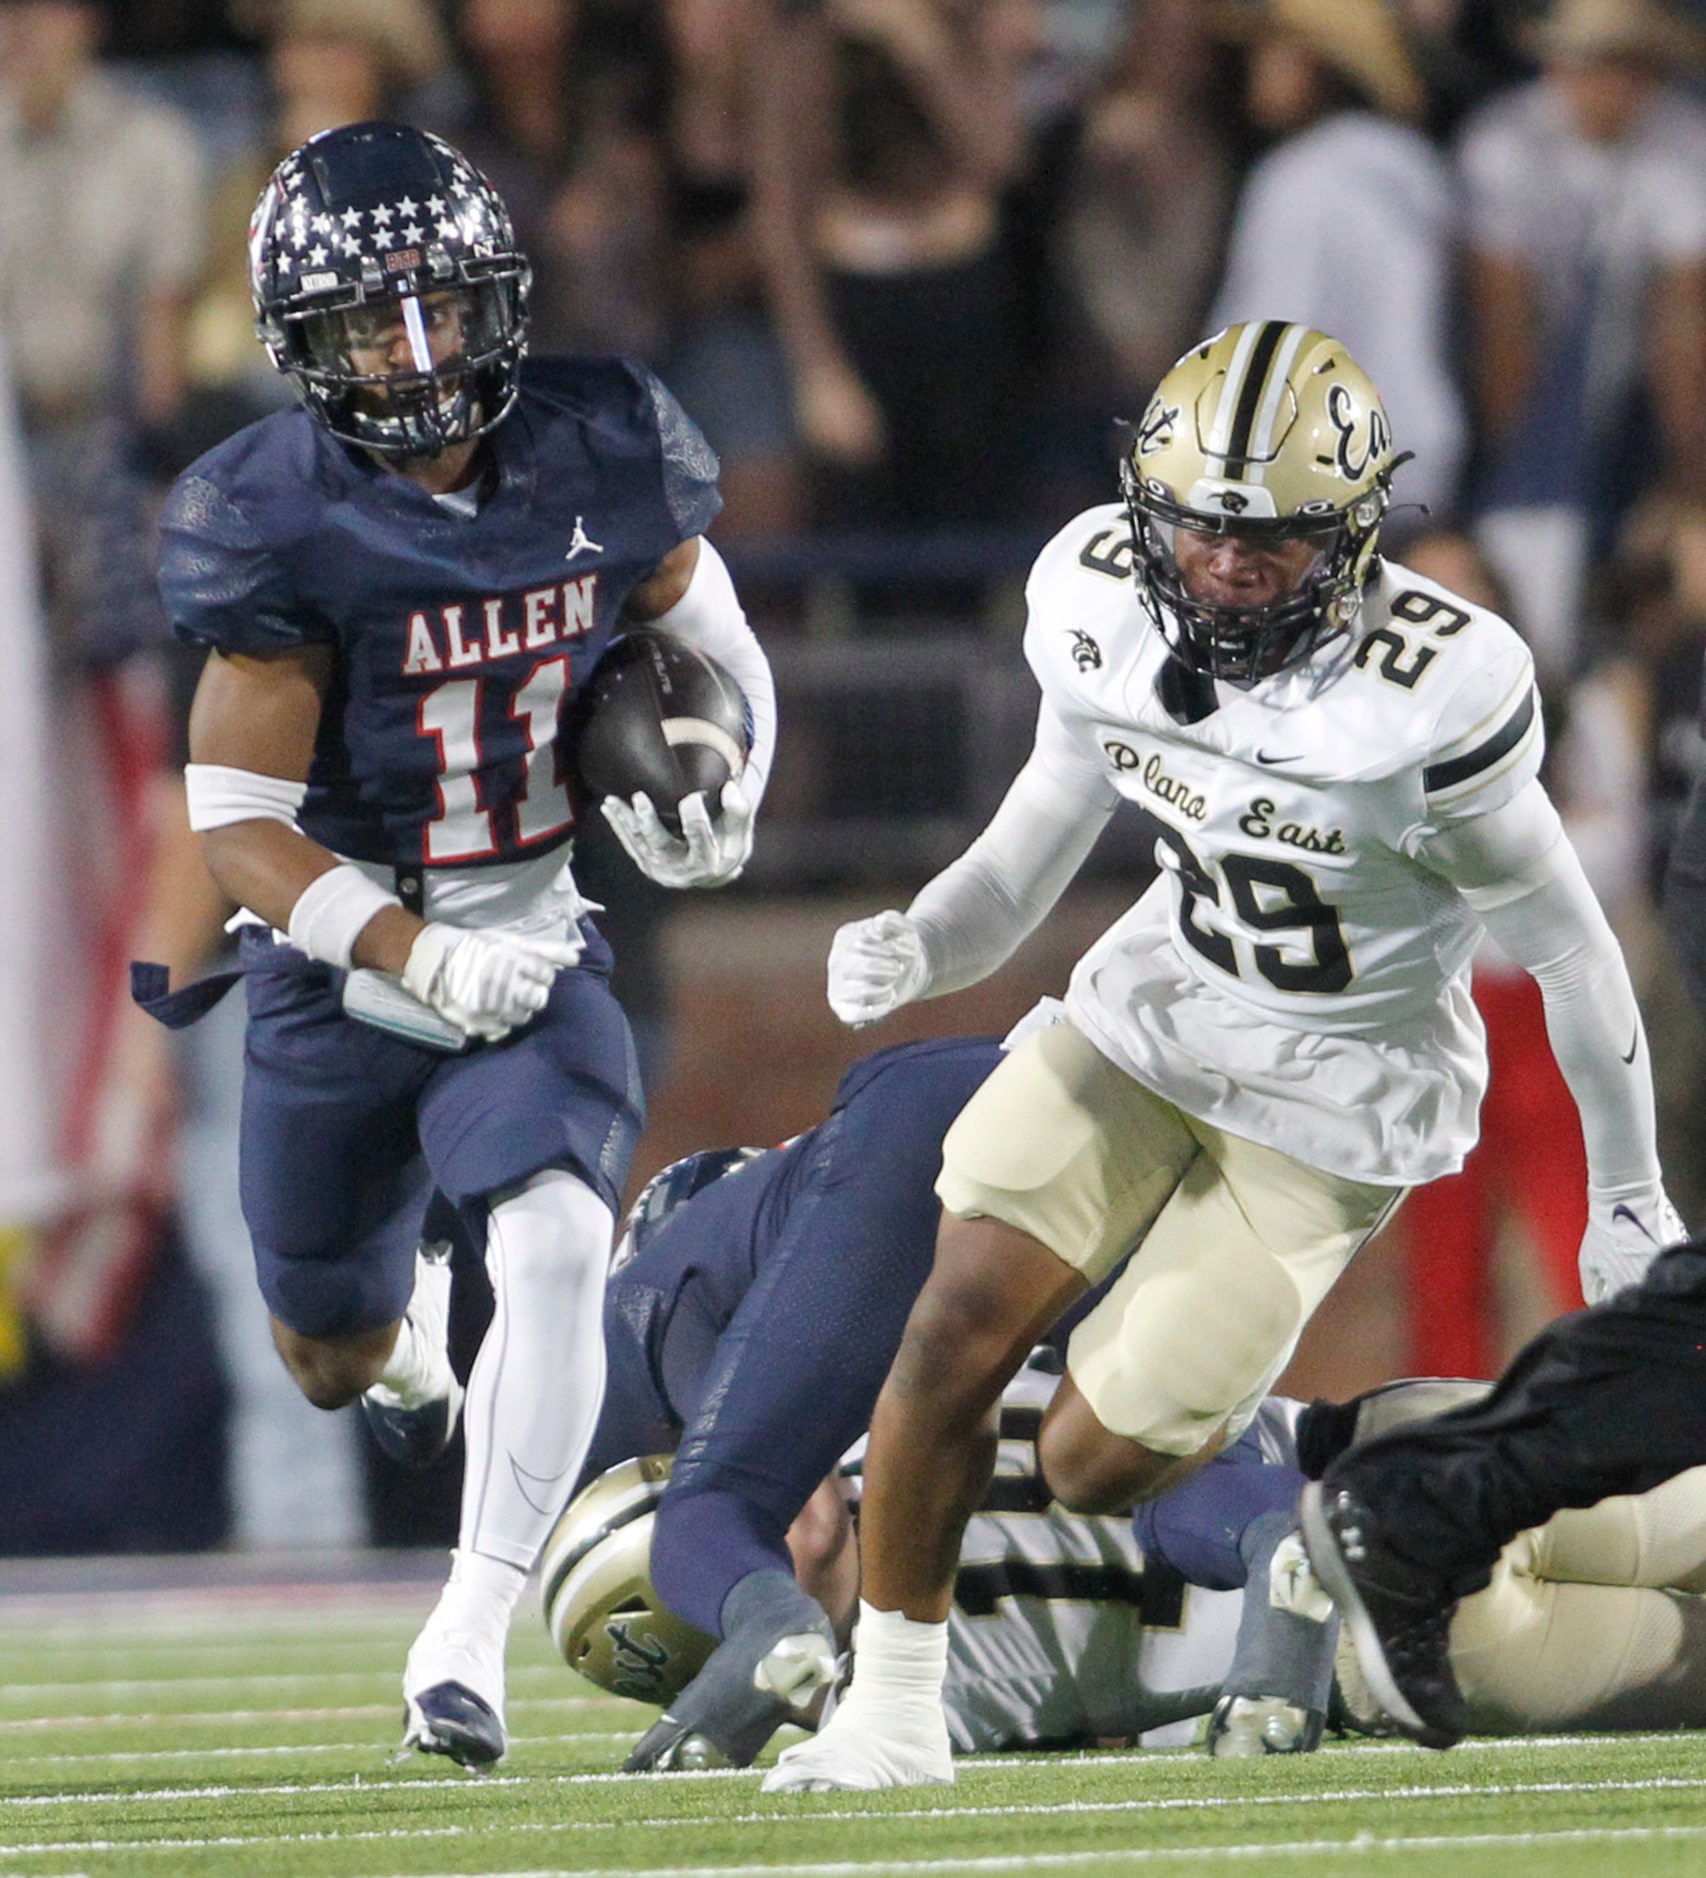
x: 1358, y: 1844
x: 276, y: 1750
x: 1167, y: 1803
x: 37, y: 1724
x: 1361, y: 1844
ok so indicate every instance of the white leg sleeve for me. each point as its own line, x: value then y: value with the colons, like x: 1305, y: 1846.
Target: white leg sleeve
x: 538, y: 1382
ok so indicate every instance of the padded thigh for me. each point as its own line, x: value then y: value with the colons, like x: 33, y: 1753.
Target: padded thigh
x: 1235, y: 1244
x: 1533, y: 1655
x: 1587, y: 1622
x: 1657, y: 1538
x: 1064, y: 1146
x: 342, y: 1123
x: 1205, y: 1316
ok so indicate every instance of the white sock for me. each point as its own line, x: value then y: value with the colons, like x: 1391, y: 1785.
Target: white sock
x: 538, y: 1382
x: 896, y: 1659
x: 412, y: 1371
x: 480, y: 1593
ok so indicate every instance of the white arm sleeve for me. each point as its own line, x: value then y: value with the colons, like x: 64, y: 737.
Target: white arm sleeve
x: 1518, y: 871
x: 709, y: 614
x: 978, y: 911
x: 218, y: 796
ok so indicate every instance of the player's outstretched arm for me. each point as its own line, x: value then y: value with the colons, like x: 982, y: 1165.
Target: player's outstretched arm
x: 976, y: 913
x: 1518, y: 871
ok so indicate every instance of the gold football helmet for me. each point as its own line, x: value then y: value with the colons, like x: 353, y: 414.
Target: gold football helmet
x: 1270, y: 432
x: 596, y: 1577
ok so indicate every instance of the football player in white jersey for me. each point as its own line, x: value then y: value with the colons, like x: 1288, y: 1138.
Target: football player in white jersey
x: 1277, y: 1040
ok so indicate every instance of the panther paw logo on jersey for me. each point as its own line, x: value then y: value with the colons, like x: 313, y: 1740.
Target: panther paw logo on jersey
x: 1086, y: 654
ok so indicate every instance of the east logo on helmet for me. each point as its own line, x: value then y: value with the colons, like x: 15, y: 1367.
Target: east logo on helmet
x: 595, y: 1578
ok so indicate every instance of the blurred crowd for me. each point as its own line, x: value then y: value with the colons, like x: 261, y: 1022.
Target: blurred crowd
x: 908, y: 263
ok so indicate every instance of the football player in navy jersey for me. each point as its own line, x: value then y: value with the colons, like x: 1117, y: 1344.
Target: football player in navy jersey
x: 401, y: 586
x: 751, y: 1337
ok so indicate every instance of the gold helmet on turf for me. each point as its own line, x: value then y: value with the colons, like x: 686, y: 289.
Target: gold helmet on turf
x: 596, y: 1580
x: 1271, y: 432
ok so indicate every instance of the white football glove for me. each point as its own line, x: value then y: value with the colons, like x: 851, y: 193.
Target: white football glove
x: 488, y: 982
x: 1626, y: 1232
x: 706, y: 853
x: 875, y: 966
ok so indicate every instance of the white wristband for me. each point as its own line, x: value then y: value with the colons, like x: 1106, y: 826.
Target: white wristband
x: 331, y: 911
x: 217, y: 796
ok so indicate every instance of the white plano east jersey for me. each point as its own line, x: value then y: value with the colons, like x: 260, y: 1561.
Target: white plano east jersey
x: 1297, y: 976
x: 1058, y: 1636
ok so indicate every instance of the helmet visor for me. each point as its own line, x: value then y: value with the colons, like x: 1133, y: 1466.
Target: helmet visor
x: 404, y: 340
x: 1239, y: 599
x: 1244, y: 568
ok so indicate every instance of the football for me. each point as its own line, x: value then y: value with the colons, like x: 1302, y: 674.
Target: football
x: 657, y: 715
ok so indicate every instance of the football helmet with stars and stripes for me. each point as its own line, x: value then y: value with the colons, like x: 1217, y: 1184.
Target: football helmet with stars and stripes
x: 1269, y: 433
x: 388, y: 287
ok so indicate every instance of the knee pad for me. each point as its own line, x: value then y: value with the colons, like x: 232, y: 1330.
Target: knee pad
x: 554, y: 1236
x: 1192, y: 1341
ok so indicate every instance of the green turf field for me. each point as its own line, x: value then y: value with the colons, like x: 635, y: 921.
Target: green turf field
x: 247, y: 1730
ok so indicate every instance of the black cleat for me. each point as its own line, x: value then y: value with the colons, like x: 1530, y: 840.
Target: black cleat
x: 778, y: 1655
x: 450, y: 1718
x: 672, y: 1746
x: 736, y: 1703
x: 1399, y: 1617
x: 414, y: 1437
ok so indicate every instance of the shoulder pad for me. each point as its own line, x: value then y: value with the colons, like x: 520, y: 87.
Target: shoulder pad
x: 1093, y: 546
x: 226, y: 529
x: 1484, y: 738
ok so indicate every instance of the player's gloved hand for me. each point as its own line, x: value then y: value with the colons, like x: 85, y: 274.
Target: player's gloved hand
x: 707, y: 853
x: 1626, y: 1232
x: 875, y: 966
x: 490, y: 982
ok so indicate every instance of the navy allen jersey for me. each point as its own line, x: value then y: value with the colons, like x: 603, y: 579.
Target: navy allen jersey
x: 461, y: 627
x: 1299, y: 973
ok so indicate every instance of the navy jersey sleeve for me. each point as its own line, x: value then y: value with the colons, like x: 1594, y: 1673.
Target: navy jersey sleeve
x: 689, y: 463
x: 223, y: 578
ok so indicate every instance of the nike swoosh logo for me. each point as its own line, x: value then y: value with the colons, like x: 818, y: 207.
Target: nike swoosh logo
x: 1263, y: 758
x: 1634, y: 1045
x: 1620, y: 1211
x: 549, y: 1486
